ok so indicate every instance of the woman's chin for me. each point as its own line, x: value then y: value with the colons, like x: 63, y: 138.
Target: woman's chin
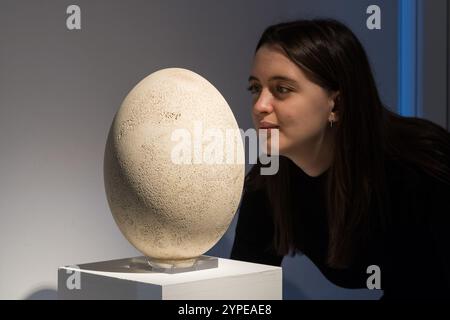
x: 278, y: 152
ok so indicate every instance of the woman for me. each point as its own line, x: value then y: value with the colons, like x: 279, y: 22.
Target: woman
x: 357, y: 184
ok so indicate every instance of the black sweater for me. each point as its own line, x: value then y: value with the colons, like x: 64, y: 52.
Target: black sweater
x: 413, y: 253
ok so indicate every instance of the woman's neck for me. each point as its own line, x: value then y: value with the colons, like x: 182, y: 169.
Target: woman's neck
x: 315, y: 158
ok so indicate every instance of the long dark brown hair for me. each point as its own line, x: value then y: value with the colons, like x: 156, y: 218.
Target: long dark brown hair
x: 367, y: 131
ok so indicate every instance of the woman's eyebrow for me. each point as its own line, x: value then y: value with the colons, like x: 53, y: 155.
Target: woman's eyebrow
x: 253, y: 78
x: 283, y: 78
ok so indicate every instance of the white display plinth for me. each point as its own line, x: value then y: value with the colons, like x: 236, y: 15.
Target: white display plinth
x: 115, y: 279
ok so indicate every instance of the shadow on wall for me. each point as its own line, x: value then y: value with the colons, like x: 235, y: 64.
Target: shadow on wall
x: 304, y: 280
x: 292, y: 292
x: 43, y: 294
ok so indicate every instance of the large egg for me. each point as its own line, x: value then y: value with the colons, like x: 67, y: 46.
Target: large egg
x: 173, y: 211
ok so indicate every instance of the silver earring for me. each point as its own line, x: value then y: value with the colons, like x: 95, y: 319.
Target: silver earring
x: 331, y: 123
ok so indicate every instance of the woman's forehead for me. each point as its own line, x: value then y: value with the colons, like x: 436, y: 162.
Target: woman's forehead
x: 270, y: 62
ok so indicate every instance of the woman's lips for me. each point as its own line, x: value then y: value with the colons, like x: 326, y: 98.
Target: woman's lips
x: 267, y: 125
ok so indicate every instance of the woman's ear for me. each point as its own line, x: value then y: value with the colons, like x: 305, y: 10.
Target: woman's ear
x: 334, y: 107
x: 335, y: 97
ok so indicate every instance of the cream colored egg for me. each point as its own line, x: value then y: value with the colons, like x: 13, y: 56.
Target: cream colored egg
x: 171, y: 210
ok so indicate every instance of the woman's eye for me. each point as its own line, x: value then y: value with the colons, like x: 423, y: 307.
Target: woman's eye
x: 281, y: 89
x: 253, y: 89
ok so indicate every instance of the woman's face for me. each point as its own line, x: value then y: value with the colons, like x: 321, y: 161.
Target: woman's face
x: 284, y: 97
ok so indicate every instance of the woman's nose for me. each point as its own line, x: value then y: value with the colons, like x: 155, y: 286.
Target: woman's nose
x: 263, y: 103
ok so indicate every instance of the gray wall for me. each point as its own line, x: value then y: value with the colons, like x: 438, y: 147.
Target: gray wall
x: 59, y: 91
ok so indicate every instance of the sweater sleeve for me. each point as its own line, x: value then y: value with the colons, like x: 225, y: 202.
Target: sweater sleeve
x: 253, y: 241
